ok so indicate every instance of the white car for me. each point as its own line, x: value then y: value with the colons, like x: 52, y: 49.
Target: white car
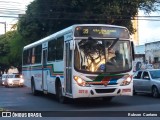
x: 0, y: 79
x: 147, y: 81
x: 14, y: 80
x: 4, y: 77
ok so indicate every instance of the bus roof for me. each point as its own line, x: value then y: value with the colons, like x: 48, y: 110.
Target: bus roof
x: 65, y: 31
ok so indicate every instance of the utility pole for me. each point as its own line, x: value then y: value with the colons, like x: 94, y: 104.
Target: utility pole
x: 5, y: 30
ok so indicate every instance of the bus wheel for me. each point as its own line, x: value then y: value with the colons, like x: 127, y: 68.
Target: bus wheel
x: 107, y: 99
x: 34, y: 91
x: 59, y: 94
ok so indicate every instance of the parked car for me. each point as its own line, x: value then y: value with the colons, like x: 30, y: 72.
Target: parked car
x: 4, y: 78
x: 14, y: 80
x: 147, y: 81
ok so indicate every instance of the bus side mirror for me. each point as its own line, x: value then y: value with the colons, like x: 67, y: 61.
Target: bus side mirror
x: 133, y: 55
x: 72, y: 45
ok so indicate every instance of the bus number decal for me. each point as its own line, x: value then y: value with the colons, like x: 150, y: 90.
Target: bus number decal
x: 83, y: 91
x: 85, y: 31
x: 126, y: 90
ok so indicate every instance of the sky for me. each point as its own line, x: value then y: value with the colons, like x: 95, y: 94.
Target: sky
x: 148, y: 30
x: 9, y: 9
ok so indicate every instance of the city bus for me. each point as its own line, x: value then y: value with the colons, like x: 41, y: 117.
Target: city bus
x: 77, y: 62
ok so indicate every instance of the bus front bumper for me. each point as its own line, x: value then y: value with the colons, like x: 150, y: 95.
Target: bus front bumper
x: 101, y: 91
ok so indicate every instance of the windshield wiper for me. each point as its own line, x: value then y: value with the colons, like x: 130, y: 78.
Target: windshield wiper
x: 114, y: 42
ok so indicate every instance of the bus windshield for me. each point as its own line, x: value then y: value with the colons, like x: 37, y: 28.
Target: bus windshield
x: 97, y: 55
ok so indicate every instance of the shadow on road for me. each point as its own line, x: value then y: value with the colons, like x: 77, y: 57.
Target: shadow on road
x: 49, y: 102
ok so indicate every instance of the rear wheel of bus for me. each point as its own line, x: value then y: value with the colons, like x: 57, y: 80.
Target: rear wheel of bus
x: 33, y: 89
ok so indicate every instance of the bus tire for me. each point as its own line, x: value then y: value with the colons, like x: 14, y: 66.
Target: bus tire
x: 33, y: 89
x: 59, y: 94
x: 107, y: 99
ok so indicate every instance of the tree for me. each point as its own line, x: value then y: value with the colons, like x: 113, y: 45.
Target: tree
x: 46, y: 17
x: 11, y: 45
x: 4, y: 51
x: 16, y: 48
x: 4, y: 45
x: 43, y: 18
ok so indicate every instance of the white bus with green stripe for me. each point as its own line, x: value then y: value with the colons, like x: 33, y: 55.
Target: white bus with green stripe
x: 81, y: 61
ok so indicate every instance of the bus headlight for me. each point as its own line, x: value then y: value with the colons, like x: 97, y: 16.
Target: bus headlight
x: 9, y: 81
x: 80, y: 81
x: 127, y: 80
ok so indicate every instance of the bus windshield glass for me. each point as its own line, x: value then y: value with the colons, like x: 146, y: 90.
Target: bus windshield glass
x: 96, y: 55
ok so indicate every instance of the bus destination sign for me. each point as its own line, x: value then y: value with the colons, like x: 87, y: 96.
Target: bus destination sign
x: 101, y: 31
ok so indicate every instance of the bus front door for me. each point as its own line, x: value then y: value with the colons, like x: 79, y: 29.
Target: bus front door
x: 44, y: 70
x: 68, y: 69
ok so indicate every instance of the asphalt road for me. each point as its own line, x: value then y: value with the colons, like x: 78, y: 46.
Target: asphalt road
x: 21, y: 99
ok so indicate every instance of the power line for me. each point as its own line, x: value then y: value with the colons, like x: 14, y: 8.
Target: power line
x: 4, y: 26
x: 1, y: 8
x: 11, y: 7
x: 78, y: 13
x: 15, y: 11
x: 53, y: 18
x: 10, y: 2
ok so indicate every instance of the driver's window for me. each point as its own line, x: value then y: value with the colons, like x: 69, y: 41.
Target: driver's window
x: 145, y: 75
x: 138, y: 75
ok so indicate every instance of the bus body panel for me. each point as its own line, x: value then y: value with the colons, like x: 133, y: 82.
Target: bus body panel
x: 113, y: 90
x: 57, y: 69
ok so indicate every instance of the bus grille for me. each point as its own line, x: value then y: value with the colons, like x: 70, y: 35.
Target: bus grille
x: 104, y: 90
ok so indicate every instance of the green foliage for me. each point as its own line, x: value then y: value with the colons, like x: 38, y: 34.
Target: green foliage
x: 16, y: 48
x: 11, y: 45
x: 4, y: 45
x: 43, y: 18
x: 46, y: 17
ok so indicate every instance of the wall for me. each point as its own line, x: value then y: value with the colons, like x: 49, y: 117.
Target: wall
x: 152, y: 50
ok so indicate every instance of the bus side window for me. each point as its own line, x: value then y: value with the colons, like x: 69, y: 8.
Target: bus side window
x: 52, y: 50
x: 59, y: 48
x: 38, y: 53
x: 33, y: 56
x: 26, y: 57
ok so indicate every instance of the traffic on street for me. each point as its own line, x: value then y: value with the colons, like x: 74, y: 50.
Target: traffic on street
x: 80, y: 58
x: 21, y: 99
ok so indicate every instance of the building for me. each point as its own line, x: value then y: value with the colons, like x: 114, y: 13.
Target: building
x: 139, y: 57
x: 12, y: 70
x: 140, y: 53
x: 135, y: 36
x: 152, y: 53
x: 5, y: 27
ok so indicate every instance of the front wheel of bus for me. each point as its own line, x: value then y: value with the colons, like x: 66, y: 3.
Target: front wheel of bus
x: 59, y: 94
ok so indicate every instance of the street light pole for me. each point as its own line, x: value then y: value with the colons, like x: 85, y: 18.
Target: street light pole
x: 5, y: 26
